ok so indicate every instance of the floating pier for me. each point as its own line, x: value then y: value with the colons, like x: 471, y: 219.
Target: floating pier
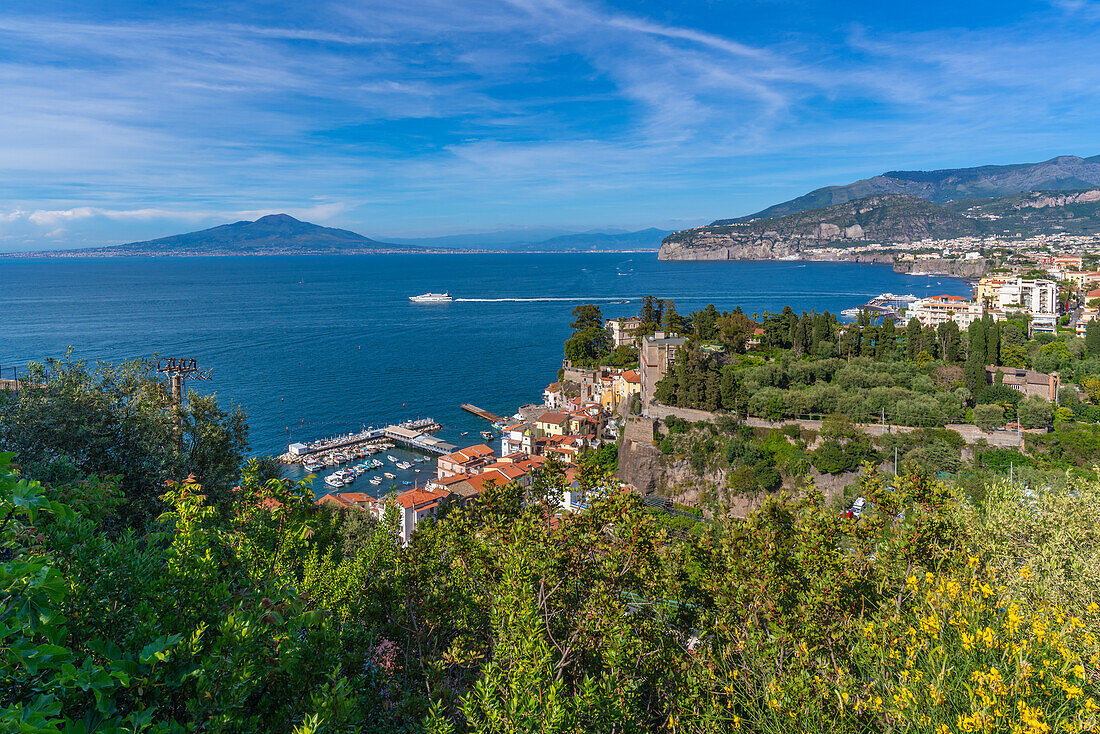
x: 412, y: 433
x: 482, y: 413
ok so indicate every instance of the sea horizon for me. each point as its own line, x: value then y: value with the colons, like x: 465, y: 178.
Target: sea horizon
x: 313, y: 346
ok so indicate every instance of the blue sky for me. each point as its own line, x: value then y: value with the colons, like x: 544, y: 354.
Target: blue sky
x: 129, y: 120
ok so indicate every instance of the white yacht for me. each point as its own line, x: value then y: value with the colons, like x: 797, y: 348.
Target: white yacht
x: 432, y: 298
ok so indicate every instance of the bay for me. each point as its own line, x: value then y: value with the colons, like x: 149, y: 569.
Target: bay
x: 314, y: 346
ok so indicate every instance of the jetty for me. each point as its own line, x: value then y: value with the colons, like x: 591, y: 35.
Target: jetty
x: 416, y: 433
x: 492, y: 418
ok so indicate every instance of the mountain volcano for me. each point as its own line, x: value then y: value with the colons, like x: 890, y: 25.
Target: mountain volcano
x: 274, y: 234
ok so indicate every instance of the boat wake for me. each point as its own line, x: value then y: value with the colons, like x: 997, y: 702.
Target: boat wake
x: 538, y: 300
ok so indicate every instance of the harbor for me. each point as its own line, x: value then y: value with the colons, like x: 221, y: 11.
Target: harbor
x: 415, y: 434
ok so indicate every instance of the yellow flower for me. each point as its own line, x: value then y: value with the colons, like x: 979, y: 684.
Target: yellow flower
x: 1025, y: 573
x: 972, y: 562
x: 1079, y: 671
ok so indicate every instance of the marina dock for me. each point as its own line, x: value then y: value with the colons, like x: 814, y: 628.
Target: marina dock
x: 482, y: 413
x: 415, y: 434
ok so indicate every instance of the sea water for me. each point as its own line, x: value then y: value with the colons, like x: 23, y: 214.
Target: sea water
x: 315, y: 346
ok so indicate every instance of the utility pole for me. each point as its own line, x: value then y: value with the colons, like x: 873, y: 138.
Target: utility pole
x: 178, y: 371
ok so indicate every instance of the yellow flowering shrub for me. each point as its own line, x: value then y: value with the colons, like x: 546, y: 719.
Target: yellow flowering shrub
x: 951, y: 652
x: 1044, y: 543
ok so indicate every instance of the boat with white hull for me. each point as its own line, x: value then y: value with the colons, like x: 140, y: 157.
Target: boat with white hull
x: 432, y: 298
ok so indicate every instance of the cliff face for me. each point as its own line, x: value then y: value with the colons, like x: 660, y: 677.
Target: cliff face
x: 1043, y: 201
x: 639, y: 458
x: 642, y: 464
x: 951, y: 268
x: 886, y: 219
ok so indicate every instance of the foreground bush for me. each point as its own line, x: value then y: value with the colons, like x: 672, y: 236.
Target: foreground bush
x: 273, y: 616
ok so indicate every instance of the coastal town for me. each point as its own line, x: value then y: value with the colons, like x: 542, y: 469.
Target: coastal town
x: 588, y: 407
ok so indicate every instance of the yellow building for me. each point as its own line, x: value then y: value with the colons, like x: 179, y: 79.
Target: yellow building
x: 989, y: 289
x: 551, y: 424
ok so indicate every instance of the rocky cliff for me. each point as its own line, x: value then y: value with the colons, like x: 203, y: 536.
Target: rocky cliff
x: 939, y: 266
x: 642, y: 464
x: 885, y: 219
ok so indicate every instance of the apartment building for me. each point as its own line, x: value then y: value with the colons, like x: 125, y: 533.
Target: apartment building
x: 938, y: 310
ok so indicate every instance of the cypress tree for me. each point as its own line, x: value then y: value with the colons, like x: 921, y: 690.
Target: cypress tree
x: 912, y: 339
x: 992, y: 341
x: 974, y: 371
x: 887, y: 341
x: 821, y: 332
x: 929, y: 342
x: 950, y: 341
x: 870, y: 339
x: 1092, y: 338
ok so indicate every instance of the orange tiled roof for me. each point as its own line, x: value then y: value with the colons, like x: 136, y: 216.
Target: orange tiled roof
x: 469, y: 453
x: 417, y: 496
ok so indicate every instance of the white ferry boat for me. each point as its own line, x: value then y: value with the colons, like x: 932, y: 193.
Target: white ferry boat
x: 432, y: 298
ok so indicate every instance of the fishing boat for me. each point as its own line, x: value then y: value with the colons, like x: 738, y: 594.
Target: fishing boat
x: 487, y: 435
x: 375, y: 481
x: 334, y: 481
x: 389, y: 475
x: 464, y: 433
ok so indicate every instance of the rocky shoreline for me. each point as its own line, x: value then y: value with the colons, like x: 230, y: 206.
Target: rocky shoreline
x: 937, y: 266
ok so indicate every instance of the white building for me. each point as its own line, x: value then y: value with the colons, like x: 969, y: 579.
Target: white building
x: 413, y: 506
x: 1037, y: 297
x: 937, y: 310
x: 623, y: 331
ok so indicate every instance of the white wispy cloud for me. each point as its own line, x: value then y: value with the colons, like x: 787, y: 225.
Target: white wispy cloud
x: 510, y: 109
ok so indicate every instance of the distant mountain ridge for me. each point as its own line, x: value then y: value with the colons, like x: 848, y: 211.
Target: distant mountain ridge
x: 282, y: 234
x: 887, y: 219
x: 643, y: 239
x: 546, y: 239
x: 950, y: 184
x: 273, y: 234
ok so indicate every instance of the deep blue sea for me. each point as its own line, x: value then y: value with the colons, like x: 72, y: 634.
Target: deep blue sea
x: 313, y: 346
